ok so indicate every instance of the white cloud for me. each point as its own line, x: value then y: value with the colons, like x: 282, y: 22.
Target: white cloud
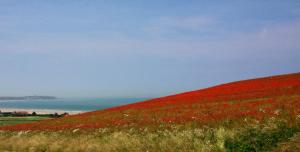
x: 193, y: 23
x: 172, y: 24
x: 274, y: 41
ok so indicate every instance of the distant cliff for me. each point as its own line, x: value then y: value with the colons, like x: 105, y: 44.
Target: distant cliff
x: 28, y: 98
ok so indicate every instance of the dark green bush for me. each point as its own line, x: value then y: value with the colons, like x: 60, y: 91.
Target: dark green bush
x: 255, y: 140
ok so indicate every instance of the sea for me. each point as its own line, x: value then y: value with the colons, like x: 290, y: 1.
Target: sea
x: 61, y: 105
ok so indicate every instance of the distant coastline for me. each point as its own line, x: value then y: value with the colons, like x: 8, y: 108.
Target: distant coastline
x: 28, y: 98
x: 64, y: 105
x: 42, y: 111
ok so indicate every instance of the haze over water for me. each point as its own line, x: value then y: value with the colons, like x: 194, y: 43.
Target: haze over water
x: 68, y: 104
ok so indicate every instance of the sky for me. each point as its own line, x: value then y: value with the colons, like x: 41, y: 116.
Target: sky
x: 139, y: 48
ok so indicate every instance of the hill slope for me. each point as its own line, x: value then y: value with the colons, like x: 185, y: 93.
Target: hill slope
x: 255, y: 98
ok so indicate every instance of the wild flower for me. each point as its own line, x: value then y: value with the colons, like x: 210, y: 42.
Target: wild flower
x: 75, y: 130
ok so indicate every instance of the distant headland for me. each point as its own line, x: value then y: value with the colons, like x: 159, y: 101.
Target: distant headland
x: 28, y: 98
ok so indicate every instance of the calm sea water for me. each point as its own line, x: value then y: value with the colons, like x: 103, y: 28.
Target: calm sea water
x: 70, y: 104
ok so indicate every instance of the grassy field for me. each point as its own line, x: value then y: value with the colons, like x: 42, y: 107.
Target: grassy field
x: 4, y: 121
x: 245, y: 116
x: 250, y: 137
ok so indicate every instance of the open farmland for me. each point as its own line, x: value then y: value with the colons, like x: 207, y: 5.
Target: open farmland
x: 4, y: 121
x: 249, y: 115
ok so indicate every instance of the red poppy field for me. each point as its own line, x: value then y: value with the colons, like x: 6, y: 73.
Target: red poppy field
x: 255, y: 98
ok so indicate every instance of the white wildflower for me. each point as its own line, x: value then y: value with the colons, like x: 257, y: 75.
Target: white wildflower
x: 75, y: 130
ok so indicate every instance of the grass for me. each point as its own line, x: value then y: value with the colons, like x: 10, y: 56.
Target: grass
x: 5, y: 121
x: 259, y: 140
x: 103, y: 140
x: 253, y: 136
x: 292, y: 145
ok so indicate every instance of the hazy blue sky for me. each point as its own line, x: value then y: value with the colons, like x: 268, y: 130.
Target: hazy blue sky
x: 139, y: 48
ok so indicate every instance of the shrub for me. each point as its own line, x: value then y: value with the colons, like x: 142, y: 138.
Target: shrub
x: 256, y: 139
